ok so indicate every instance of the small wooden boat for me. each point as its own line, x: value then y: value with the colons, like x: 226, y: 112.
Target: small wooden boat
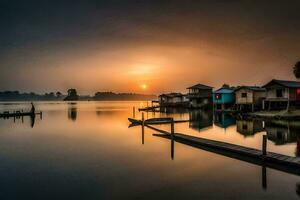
x: 135, y: 121
x: 155, y: 121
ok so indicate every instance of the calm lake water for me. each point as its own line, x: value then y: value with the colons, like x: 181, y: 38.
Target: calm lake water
x: 85, y: 150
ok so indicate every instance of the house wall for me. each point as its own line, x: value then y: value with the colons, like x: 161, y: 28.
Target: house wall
x: 225, y: 98
x: 175, y: 100
x: 201, y: 92
x: 244, y: 100
x: 271, y: 91
x: 253, y: 97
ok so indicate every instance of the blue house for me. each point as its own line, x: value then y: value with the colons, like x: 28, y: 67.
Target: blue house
x: 223, y: 98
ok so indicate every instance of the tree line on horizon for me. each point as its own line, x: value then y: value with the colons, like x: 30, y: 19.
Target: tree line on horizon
x: 72, y: 95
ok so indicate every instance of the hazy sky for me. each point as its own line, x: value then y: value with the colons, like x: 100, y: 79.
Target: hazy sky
x: 120, y: 45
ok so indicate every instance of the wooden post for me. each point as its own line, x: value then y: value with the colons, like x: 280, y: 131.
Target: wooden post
x: 172, y: 138
x: 143, y: 128
x: 143, y: 119
x: 264, y: 146
x: 288, y: 103
x: 264, y: 176
x: 133, y: 112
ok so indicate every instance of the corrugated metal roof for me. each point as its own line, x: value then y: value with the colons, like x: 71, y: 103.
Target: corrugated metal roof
x: 254, y: 88
x: 224, y: 91
x: 290, y: 84
x: 200, y: 86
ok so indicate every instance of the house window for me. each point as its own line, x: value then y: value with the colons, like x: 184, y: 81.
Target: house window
x: 244, y: 95
x: 279, y: 93
x: 245, y: 127
x: 218, y: 96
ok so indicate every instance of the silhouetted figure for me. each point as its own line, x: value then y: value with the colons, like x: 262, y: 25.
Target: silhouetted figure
x: 32, y: 108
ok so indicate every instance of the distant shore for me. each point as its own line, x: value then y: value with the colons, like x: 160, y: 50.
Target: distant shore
x: 99, y: 96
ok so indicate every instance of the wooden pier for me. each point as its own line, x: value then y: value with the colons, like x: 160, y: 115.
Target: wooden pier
x: 241, y: 150
x: 262, y: 157
x: 18, y: 114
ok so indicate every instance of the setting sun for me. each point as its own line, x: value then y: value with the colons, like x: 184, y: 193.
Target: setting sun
x: 144, y: 86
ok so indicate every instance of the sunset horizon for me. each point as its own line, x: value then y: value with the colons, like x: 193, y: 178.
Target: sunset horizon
x: 150, y: 99
x: 120, y: 46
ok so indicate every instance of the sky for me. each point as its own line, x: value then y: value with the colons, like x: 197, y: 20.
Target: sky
x: 145, y: 46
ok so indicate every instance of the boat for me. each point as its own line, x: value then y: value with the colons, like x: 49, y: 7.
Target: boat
x: 135, y: 121
x: 155, y: 121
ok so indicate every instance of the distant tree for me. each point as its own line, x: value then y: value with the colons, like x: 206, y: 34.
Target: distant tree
x: 58, y: 94
x: 72, y: 92
x: 225, y: 86
x: 72, y: 95
x: 296, y: 69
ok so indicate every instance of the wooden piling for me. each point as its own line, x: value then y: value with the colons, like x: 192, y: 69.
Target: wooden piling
x: 143, y: 127
x: 264, y: 176
x: 172, y: 138
x: 264, y: 146
x: 133, y: 112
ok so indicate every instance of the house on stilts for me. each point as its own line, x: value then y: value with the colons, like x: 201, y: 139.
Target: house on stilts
x: 200, y: 96
x: 249, y: 98
x: 223, y: 98
x: 281, y: 94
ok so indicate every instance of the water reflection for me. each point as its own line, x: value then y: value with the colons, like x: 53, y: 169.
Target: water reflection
x: 72, y: 111
x: 282, y: 132
x: 32, y: 120
x: 223, y: 120
x: 249, y: 127
x: 200, y: 119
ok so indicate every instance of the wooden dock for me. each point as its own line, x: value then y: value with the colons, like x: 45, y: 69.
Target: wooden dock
x: 18, y: 114
x: 273, y: 160
x: 260, y: 157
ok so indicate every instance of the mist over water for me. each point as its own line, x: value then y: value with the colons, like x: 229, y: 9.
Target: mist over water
x: 85, y: 150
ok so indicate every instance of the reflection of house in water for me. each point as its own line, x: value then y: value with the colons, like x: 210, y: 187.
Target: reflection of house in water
x: 200, y: 119
x: 72, y: 112
x: 249, y: 127
x: 281, y: 132
x: 223, y: 120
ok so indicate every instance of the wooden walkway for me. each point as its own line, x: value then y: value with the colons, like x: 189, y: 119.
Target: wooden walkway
x: 247, y: 151
x: 273, y: 160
